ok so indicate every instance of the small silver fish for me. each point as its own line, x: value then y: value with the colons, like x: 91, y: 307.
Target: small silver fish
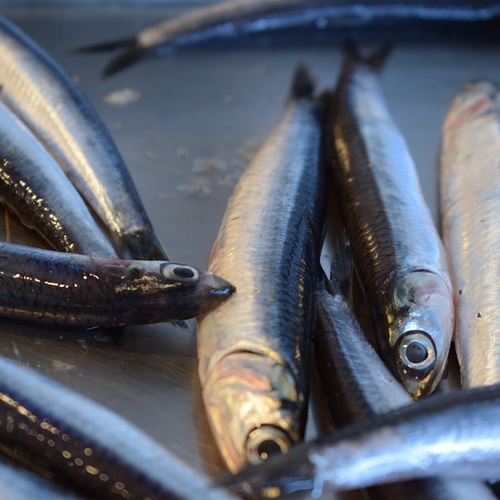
x: 359, y: 386
x: 238, y: 18
x: 254, y: 349
x: 470, y: 204
x: 90, y: 446
x: 35, y: 188
x: 399, y: 257
x: 39, y: 91
x: 70, y: 289
x: 455, y: 435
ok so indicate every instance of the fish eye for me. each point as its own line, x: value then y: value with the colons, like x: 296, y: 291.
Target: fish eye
x: 417, y: 351
x: 264, y: 442
x: 179, y: 272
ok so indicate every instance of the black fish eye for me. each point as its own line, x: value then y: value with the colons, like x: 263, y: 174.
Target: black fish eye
x: 178, y: 272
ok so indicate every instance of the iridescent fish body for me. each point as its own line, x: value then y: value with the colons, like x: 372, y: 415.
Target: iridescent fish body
x: 359, y: 386
x: 56, y: 111
x: 398, y: 255
x: 470, y: 204
x: 436, y: 19
x: 77, y: 290
x: 254, y: 349
x: 34, y: 187
x: 89, y: 446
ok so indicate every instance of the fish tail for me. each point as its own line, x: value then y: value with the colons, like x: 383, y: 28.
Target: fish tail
x: 376, y: 60
x: 341, y: 268
x: 303, y: 83
x: 132, y: 52
x: 109, y: 46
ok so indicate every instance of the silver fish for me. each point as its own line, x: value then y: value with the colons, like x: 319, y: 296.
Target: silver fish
x: 398, y: 254
x: 238, y: 18
x: 470, y: 204
x: 358, y: 385
x: 97, y: 450
x: 254, y: 350
x: 18, y: 483
x: 455, y: 435
x: 39, y: 91
x: 35, y: 188
x: 70, y: 289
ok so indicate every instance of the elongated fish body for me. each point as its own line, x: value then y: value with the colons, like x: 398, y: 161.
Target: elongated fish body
x: 254, y: 350
x: 38, y: 90
x: 454, y: 435
x: 18, y: 483
x: 358, y: 386
x: 93, y: 447
x: 236, y: 18
x: 36, y: 189
x: 470, y: 204
x: 397, y: 252
x: 70, y: 289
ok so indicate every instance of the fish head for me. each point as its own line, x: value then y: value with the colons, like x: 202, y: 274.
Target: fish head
x: 420, y: 330
x: 169, y: 291
x: 253, y: 408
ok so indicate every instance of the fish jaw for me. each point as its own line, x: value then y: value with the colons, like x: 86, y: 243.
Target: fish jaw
x: 252, y: 404
x: 421, y: 325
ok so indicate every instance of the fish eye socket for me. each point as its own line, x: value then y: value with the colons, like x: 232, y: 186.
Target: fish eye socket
x: 266, y: 441
x: 178, y: 272
x: 417, y: 351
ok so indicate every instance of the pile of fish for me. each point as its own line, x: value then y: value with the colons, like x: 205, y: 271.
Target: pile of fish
x: 254, y: 348
x: 55, y: 154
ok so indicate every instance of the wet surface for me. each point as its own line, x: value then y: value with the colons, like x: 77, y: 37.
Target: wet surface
x: 186, y: 134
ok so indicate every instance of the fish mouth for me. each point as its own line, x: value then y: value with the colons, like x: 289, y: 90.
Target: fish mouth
x: 219, y: 287
x: 265, y: 441
x: 416, y: 359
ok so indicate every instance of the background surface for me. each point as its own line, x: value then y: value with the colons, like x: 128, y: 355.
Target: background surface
x: 199, y: 105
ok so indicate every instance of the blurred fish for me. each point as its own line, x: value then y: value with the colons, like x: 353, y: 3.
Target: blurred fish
x: 454, y: 435
x: 34, y: 187
x: 358, y: 385
x: 237, y: 18
x: 470, y: 204
x: 399, y: 258
x: 254, y: 349
x: 92, y: 447
x: 70, y: 289
x: 39, y: 91
x: 18, y: 483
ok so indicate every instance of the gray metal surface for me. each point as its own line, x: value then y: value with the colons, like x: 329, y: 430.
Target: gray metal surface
x: 195, y: 106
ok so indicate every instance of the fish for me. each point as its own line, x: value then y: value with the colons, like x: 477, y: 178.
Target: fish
x: 18, y: 483
x: 398, y: 254
x: 92, y: 447
x: 454, y: 435
x: 238, y: 18
x: 34, y: 187
x: 254, y: 350
x: 358, y: 385
x: 38, y: 90
x: 470, y: 201
x: 56, y: 288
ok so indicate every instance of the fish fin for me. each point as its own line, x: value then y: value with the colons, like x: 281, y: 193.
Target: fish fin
x: 376, y: 60
x: 121, y: 43
x: 303, y: 83
x: 127, y: 58
x: 341, y: 268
